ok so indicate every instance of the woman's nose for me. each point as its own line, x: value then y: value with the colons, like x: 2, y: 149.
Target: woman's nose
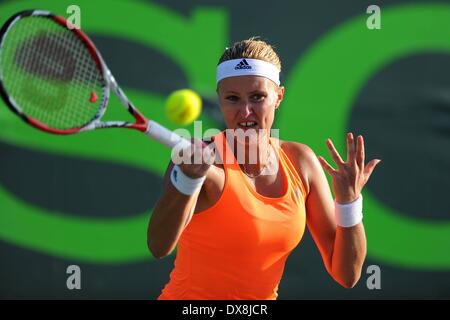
x: 246, y: 109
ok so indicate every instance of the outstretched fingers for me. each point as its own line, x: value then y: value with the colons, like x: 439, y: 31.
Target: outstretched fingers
x: 326, y: 166
x: 350, y: 148
x: 360, y: 153
x: 334, y: 154
x: 370, y: 167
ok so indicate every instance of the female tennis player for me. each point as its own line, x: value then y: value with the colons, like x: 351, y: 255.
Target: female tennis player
x: 236, y: 221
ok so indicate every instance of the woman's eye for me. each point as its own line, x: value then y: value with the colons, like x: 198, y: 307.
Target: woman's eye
x: 258, y: 97
x: 255, y: 97
x: 232, y: 98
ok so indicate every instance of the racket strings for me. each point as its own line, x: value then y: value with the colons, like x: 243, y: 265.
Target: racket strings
x: 50, y: 73
x: 26, y: 86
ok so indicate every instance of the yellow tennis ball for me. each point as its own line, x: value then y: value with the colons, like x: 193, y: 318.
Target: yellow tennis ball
x: 183, y: 106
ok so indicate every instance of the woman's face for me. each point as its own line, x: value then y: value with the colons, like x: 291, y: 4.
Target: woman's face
x: 249, y: 102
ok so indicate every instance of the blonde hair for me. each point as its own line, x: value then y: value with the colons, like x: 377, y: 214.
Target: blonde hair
x: 252, y: 48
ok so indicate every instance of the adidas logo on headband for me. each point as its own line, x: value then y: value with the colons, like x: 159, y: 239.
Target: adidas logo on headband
x: 247, y: 67
x: 242, y: 65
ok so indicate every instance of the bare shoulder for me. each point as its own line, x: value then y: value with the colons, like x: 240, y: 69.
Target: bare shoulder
x: 303, y: 158
x: 298, y: 149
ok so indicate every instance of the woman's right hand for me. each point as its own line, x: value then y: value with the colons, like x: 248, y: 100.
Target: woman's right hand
x: 196, y: 159
x: 174, y: 209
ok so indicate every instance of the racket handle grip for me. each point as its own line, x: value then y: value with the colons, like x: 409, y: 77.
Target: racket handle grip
x: 165, y: 136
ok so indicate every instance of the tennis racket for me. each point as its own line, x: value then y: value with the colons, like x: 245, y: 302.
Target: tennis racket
x: 54, y: 78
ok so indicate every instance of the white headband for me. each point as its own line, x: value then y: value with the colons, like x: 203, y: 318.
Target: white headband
x: 247, y: 67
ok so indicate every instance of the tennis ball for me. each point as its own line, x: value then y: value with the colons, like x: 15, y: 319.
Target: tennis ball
x: 183, y: 106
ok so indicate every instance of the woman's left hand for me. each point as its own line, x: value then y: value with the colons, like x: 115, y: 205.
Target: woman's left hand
x: 351, y: 176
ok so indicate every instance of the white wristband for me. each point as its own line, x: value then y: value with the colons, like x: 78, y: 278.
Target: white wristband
x: 349, y: 214
x: 185, y: 184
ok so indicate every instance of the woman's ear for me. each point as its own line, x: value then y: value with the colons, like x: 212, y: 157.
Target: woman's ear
x: 280, y: 94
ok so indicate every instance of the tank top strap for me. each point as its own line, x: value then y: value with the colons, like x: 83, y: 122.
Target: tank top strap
x: 289, y: 168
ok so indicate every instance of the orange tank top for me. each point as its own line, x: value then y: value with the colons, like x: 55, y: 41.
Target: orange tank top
x: 237, y: 249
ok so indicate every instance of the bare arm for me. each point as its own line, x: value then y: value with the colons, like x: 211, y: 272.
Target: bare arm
x: 170, y: 215
x: 173, y: 210
x: 343, y: 250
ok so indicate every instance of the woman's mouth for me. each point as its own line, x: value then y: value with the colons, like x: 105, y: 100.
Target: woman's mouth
x: 247, y: 124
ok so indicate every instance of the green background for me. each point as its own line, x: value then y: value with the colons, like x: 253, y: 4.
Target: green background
x: 86, y: 199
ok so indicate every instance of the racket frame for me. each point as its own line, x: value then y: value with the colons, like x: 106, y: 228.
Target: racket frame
x: 143, y: 124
